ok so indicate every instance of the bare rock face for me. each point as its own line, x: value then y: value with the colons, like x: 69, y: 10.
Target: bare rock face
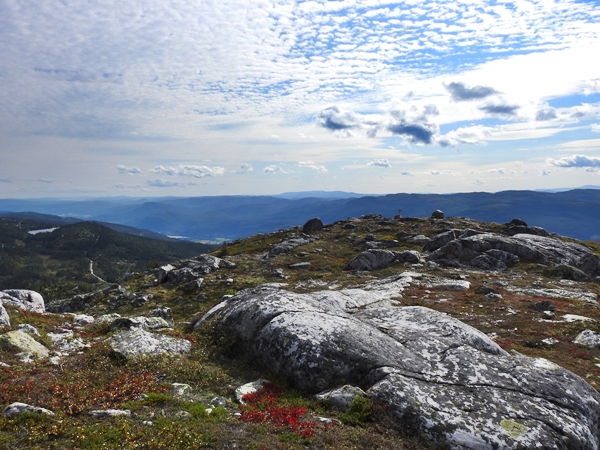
x: 446, y: 378
x: 493, y: 251
x: 24, y: 299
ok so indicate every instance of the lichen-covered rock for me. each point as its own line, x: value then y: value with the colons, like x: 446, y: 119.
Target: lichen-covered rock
x: 138, y: 342
x: 18, y: 408
x: 588, y: 338
x: 448, y: 379
x: 24, y: 299
x: 24, y: 343
x: 439, y: 240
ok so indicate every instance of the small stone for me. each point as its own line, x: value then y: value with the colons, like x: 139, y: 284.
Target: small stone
x: 545, y: 305
x: 437, y: 214
x: 110, y: 412
x: 249, y: 388
x: 493, y: 296
x: 83, y: 320
x: 341, y: 398
x: 550, y: 341
x: 300, y: 266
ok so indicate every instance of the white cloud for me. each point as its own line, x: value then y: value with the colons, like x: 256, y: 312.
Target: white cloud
x: 575, y: 161
x: 380, y: 163
x: 595, y: 127
x: 273, y: 168
x: 130, y: 170
x: 190, y: 171
x: 311, y: 165
x: 162, y: 183
x: 245, y: 167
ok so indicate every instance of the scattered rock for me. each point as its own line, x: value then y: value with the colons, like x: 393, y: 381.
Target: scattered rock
x: 22, y: 342
x: 300, y: 266
x: 437, y: 214
x: 418, y: 239
x: 109, y: 412
x: 545, y: 305
x: 492, y: 296
x: 17, y: 409
x: 567, y: 272
x: 24, y: 299
x: 139, y: 342
x: 576, y: 318
x: 312, y: 225
x: 341, y: 398
x: 588, y: 338
x: 487, y: 290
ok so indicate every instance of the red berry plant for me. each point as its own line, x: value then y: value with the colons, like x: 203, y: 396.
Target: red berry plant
x: 267, y: 405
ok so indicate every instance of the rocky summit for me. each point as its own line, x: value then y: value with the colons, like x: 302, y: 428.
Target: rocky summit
x: 370, y: 332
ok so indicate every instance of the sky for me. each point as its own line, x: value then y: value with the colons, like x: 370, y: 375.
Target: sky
x: 222, y: 97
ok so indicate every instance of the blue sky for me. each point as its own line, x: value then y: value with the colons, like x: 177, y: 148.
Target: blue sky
x: 153, y: 98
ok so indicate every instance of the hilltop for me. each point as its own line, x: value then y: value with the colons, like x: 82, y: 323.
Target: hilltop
x: 529, y: 295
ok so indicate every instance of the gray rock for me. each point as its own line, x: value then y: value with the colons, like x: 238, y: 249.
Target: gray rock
x: 4, y: 318
x: 518, y: 229
x: 24, y: 299
x: 439, y: 240
x: 374, y: 259
x: 449, y: 380
x: 137, y: 342
x: 312, y: 225
x: 567, y: 272
x: 180, y: 276
x: 163, y: 312
x: 300, y: 266
x: 418, y: 239
x: 588, y: 338
x: 163, y: 273
x: 291, y: 243
x: 341, y: 398
x: 18, y: 408
x: 27, y: 328
x: 249, y: 388
x: 22, y: 342
x: 83, y: 319
x: 545, y: 305
x: 144, y: 323
x: 437, y: 214
x: 110, y: 412
x: 193, y: 285
x: 497, y: 250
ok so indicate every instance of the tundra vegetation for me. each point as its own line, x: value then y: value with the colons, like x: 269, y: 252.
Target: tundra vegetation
x: 188, y: 399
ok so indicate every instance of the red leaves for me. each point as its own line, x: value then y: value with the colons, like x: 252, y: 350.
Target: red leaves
x: 265, y: 406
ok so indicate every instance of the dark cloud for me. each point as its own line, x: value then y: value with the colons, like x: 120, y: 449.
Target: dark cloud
x: 461, y: 93
x: 500, y: 110
x: 335, y: 119
x: 417, y: 133
x: 546, y: 114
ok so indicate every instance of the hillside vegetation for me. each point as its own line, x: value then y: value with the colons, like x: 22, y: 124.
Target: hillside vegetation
x: 55, y: 263
x: 161, y: 416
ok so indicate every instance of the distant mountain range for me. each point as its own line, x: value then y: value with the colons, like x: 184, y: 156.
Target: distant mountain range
x: 574, y: 213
